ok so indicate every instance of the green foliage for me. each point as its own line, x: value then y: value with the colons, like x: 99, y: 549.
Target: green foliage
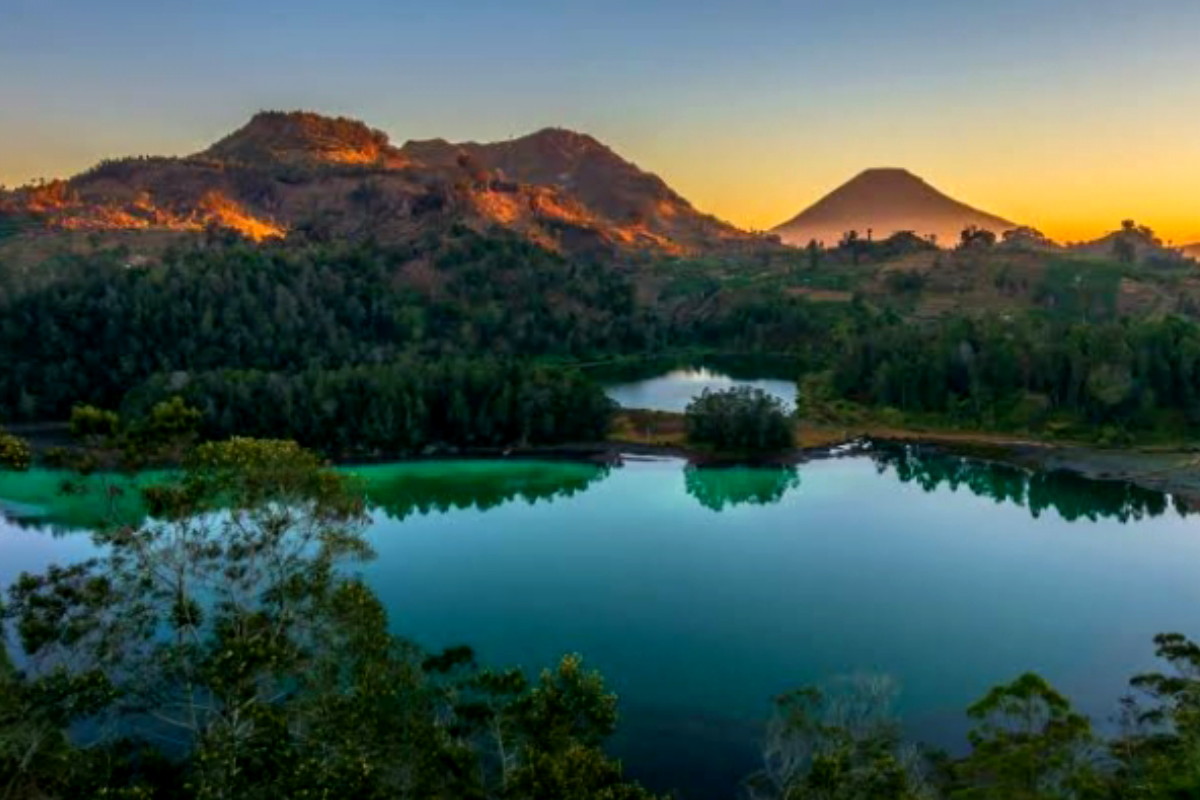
x: 550, y: 737
x: 1081, y: 289
x: 15, y: 453
x: 160, y: 433
x: 85, y: 330
x: 91, y: 423
x: 169, y: 423
x: 739, y: 420
x: 1022, y: 373
x: 36, y: 758
x: 402, y: 407
x: 1028, y: 744
x: 837, y: 743
x: 229, y: 621
x: 1159, y: 755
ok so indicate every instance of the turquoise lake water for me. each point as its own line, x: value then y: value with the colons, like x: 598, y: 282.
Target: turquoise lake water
x: 702, y: 594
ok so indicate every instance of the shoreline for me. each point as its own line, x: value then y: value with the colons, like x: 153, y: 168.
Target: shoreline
x: 659, y: 434
x: 1173, y: 472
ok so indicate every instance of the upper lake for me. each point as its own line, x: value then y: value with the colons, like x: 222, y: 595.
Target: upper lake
x: 701, y: 594
x: 674, y: 389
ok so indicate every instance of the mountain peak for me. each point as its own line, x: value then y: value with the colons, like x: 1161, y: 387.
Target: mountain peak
x: 302, y: 137
x: 889, y: 179
x: 564, y: 137
x: 887, y: 173
x: 557, y: 187
x: 558, y: 149
x: 887, y: 200
x: 637, y: 205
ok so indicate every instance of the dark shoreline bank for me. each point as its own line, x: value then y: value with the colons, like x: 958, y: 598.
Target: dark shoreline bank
x: 1171, y: 471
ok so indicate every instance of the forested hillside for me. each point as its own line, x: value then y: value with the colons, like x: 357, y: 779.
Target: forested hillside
x: 991, y: 334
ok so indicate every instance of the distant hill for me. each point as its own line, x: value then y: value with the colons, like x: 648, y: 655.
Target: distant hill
x: 637, y: 206
x: 1138, y: 241
x: 883, y: 202
x: 1192, y: 250
x: 302, y: 138
x: 286, y: 173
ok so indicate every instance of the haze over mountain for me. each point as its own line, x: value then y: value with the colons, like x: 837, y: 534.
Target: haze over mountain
x: 288, y: 172
x: 886, y: 201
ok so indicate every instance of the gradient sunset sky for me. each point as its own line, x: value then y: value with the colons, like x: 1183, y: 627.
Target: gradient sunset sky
x: 1065, y: 114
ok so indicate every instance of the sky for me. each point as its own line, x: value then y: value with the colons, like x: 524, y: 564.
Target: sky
x: 1069, y: 115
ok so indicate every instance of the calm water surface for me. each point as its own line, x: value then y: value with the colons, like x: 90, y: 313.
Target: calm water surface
x: 673, y: 390
x: 702, y: 594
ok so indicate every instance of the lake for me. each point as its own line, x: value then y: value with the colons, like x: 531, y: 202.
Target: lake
x: 701, y: 594
x: 673, y: 389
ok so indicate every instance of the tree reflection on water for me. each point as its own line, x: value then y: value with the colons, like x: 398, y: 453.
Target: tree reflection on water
x: 1073, y: 496
x: 719, y: 488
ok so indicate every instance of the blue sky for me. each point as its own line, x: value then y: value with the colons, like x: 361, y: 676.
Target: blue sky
x: 1063, y: 114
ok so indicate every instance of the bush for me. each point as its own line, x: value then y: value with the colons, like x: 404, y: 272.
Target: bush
x: 15, y: 453
x: 742, y: 419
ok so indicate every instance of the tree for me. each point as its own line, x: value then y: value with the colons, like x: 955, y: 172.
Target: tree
x: 974, y: 237
x: 851, y: 242
x: 743, y: 419
x: 15, y: 453
x: 91, y: 425
x: 1028, y: 744
x: 397, y: 408
x: 235, y: 657
x: 814, y: 254
x: 1159, y: 754
x: 1025, y: 237
x: 204, y: 617
x: 36, y: 757
x: 840, y: 742
x: 1124, y: 248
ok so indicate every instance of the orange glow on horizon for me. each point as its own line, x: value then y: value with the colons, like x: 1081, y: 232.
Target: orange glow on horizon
x: 1076, y: 213
x: 1079, y: 199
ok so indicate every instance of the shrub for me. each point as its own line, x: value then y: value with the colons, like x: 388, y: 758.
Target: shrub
x: 15, y: 453
x: 742, y: 419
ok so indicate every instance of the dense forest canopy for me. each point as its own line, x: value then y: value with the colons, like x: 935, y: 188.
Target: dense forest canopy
x: 1045, y: 342
x: 402, y: 407
x: 88, y: 329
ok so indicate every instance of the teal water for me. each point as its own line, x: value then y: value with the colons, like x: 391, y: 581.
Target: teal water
x: 674, y: 389
x: 702, y: 594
